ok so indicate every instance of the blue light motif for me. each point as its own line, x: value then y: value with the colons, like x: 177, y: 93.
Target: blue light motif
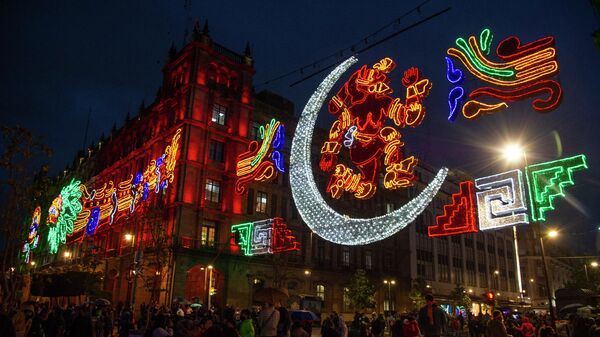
x: 90, y: 228
x: 454, y: 75
x: 455, y: 97
x: 278, y: 160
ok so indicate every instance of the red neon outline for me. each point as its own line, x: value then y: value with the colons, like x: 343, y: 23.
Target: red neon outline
x: 510, y: 48
x: 544, y: 86
x: 282, y: 239
x: 460, y: 216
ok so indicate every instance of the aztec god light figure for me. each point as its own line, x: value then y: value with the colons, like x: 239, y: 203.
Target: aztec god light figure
x: 363, y: 106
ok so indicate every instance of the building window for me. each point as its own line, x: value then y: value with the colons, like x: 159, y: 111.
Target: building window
x: 216, y: 151
x: 212, y: 190
x: 254, y: 131
x: 261, y: 202
x: 346, y: 299
x: 345, y: 256
x: 219, y: 114
x: 321, y: 291
x: 368, y: 260
x: 207, y: 238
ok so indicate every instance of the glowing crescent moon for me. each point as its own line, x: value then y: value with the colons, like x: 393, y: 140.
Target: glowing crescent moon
x: 322, y: 219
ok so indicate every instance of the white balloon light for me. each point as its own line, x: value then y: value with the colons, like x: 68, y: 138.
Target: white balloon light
x: 322, y: 219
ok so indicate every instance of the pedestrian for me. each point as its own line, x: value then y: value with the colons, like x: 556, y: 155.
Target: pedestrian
x: 410, y: 327
x: 285, y: 322
x: 82, y: 324
x: 246, y: 328
x: 22, y: 320
x: 526, y: 328
x: 378, y: 326
x: 297, y: 330
x: 7, y: 327
x: 432, y: 319
x: 546, y: 330
x: 108, y: 322
x: 268, y: 319
x: 327, y: 329
x: 124, y: 322
x: 495, y: 327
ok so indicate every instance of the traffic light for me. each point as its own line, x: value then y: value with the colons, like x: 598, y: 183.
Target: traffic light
x: 490, y: 297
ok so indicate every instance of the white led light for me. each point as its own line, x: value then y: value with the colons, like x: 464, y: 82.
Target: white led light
x: 501, y: 200
x: 322, y: 219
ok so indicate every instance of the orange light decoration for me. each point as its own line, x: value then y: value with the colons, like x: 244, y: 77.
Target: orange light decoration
x: 113, y: 199
x: 362, y: 106
x: 523, y: 73
x: 261, y: 162
x: 460, y: 216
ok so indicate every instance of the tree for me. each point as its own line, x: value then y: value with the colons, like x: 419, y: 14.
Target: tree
x: 579, y: 279
x: 460, y: 298
x: 361, y: 292
x: 21, y: 151
x: 417, y: 293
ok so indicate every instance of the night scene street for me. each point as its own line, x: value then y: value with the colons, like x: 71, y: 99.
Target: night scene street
x: 419, y: 168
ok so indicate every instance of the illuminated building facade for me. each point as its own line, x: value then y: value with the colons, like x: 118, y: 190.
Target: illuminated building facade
x: 179, y: 243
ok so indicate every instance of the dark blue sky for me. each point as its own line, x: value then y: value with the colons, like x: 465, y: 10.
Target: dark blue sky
x: 60, y: 59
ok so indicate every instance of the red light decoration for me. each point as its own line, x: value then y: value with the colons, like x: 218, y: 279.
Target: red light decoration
x: 261, y: 162
x: 523, y: 73
x: 113, y: 199
x: 264, y: 237
x: 490, y: 296
x: 460, y: 216
x: 362, y: 107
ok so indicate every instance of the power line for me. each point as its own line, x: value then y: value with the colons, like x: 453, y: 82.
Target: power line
x: 353, y: 48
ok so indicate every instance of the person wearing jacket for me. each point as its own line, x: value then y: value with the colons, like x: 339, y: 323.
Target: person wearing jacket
x: 246, y: 326
x: 526, y: 328
x: 432, y: 319
x: 410, y: 328
x: 495, y: 327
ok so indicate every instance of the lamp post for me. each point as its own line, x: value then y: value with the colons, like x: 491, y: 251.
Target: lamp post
x: 389, y: 285
x: 210, y: 276
x: 130, y: 238
x: 594, y: 265
x: 550, y: 234
x: 512, y: 153
x: 307, y: 273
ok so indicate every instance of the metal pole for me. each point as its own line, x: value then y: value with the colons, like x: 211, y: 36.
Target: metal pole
x: 389, y: 296
x: 209, y: 286
x: 206, y: 295
x: 549, y: 289
x: 587, y: 278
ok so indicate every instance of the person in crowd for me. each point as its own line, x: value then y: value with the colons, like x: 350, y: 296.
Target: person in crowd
x: 327, y: 329
x: 160, y: 327
x: 398, y: 328
x: 297, y: 330
x: 246, y: 328
x: 268, y: 319
x: 410, y: 327
x: 495, y: 327
x: 82, y: 324
x: 526, y: 328
x: 285, y: 322
x: 7, y: 327
x: 378, y: 326
x: 546, y: 330
x: 339, y: 325
x: 432, y: 319
x: 22, y: 320
x: 125, y: 322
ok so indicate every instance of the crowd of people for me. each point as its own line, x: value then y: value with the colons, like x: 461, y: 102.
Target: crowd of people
x: 274, y: 320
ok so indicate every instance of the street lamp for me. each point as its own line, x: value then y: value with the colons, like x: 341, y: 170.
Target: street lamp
x: 209, y: 268
x: 389, y: 285
x: 67, y: 254
x: 593, y: 264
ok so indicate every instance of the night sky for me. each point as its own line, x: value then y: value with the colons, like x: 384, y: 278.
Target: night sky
x: 59, y: 60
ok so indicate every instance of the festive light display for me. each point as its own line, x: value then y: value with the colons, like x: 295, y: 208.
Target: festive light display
x: 523, y: 73
x: 501, y: 200
x: 32, y: 237
x: 362, y: 106
x: 264, y: 237
x: 547, y: 181
x: 112, y: 200
x: 261, y: 163
x: 70, y: 206
x: 320, y: 217
x: 459, y: 216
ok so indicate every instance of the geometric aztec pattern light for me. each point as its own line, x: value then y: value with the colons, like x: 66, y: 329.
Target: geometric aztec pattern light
x: 524, y: 71
x: 264, y: 237
x: 261, y: 162
x: 320, y: 217
x: 547, y: 181
x: 501, y: 200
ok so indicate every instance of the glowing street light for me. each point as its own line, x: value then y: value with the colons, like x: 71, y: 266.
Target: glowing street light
x: 513, y: 152
x: 552, y: 233
x: 389, y: 284
x: 128, y: 237
x: 307, y: 272
x: 67, y: 254
x: 594, y: 264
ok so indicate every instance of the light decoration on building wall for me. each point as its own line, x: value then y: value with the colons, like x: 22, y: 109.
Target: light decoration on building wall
x: 547, y: 181
x: 262, y: 161
x: 264, y: 237
x: 320, y: 217
x: 33, y: 236
x: 107, y: 203
x: 362, y: 106
x: 70, y: 206
x: 524, y: 72
x: 502, y: 201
